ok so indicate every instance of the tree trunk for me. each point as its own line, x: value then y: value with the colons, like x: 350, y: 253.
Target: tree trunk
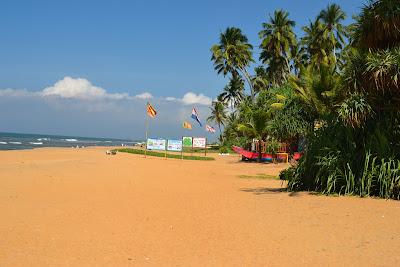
x: 259, y: 156
x: 247, y: 77
x: 220, y: 133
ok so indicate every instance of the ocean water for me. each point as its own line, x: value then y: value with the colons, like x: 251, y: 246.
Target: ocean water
x: 13, y: 141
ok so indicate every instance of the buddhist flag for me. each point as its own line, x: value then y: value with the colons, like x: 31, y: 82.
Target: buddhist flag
x: 210, y: 129
x: 187, y: 125
x: 195, y: 116
x: 150, y: 110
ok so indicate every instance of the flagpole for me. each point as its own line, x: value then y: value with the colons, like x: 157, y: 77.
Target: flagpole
x: 147, y: 128
x: 205, y: 149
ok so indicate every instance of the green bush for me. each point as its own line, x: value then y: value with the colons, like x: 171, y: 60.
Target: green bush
x: 223, y: 149
x: 337, y: 161
x: 287, y: 174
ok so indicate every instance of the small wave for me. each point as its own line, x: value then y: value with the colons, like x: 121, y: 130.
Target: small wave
x: 3, y: 143
x: 16, y: 143
x: 71, y: 140
x: 36, y: 143
x: 43, y: 139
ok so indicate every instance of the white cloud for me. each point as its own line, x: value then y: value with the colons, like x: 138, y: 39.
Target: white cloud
x: 16, y: 93
x: 145, y: 95
x: 80, y: 89
x: 191, y: 98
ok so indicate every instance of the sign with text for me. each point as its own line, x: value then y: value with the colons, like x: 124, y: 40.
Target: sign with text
x: 156, y: 144
x: 174, y: 145
x: 199, y: 142
x: 187, y: 141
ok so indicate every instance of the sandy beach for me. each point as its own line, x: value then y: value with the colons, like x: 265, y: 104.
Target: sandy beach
x: 80, y: 207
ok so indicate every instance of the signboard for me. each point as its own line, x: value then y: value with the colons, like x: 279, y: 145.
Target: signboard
x: 174, y: 145
x: 187, y: 141
x: 156, y: 144
x: 199, y: 142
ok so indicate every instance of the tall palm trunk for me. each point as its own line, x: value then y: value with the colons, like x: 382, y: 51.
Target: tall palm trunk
x: 221, y: 139
x: 259, y: 156
x: 247, y: 77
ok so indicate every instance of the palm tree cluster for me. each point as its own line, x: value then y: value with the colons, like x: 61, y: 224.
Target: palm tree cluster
x: 336, y: 89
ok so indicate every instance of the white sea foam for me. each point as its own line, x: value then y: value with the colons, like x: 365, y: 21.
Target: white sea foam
x: 36, y: 143
x: 15, y: 143
x: 3, y: 143
x: 43, y: 139
x: 71, y: 140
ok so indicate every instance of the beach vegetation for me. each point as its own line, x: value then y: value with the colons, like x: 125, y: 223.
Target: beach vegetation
x: 335, y: 90
x: 163, y: 154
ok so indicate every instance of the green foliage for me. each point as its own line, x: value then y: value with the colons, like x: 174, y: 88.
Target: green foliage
x: 233, y: 92
x: 233, y: 54
x: 162, y: 154
x: 344, y: 100
x: 354, y: 110
x: 218, y: 115
x: 287, y: 174
x: 319, y: 88
x: 377, y: 178
x: 278, y: 43
x: 223, y: 149
x: 377, y: 26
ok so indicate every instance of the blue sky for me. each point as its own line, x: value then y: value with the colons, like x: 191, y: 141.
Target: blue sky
x: 121, y: 47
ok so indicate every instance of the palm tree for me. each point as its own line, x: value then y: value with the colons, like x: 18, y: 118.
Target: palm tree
x: 299, y: 57
x: 258, y: 127
x: 260, y: 79
x: 233, y: 92
x: 316, y: 44
x: 332, y: 17
x: 233, y: 54
x: 319, y: 88
x: 218, y: 115
x: 278, y: 43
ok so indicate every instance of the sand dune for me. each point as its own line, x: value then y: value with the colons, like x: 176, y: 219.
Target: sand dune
x: 80, y: 207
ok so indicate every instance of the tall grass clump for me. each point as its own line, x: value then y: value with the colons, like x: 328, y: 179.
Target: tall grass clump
x: 333, y: 174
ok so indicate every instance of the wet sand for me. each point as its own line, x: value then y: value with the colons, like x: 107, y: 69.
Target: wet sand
x: 80, y: 207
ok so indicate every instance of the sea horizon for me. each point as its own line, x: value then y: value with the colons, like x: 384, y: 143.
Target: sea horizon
x: 21, y: 141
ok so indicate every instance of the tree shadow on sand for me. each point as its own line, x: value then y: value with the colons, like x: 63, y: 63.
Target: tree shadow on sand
x: 270, y: 190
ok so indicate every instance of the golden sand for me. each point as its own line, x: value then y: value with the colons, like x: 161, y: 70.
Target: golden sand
x: 80, y: 207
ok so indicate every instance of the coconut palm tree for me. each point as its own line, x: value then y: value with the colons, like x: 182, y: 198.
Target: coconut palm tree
x: 258, y: 127
x: 318, y: 88
x: 316, y: 44
x: 218, y: 115
x: 332, y: 17
x: 260, y: 79
x: 278, y: 43
x: 233, y: 92
x: 233, y: 54
x: 299, y: 57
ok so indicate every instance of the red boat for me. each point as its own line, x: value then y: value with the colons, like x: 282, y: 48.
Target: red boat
x: 252, y: 155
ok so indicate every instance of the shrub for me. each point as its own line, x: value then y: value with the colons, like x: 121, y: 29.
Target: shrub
x: 287, y: 174
x: 223, y: 150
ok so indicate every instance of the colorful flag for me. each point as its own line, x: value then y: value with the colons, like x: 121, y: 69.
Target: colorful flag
x: 210, y: 129
x: 195, y: 116
x: 187, y: 125
x: 150, y: 110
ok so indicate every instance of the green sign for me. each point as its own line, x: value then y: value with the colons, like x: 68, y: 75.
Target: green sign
x: 187, y: 141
